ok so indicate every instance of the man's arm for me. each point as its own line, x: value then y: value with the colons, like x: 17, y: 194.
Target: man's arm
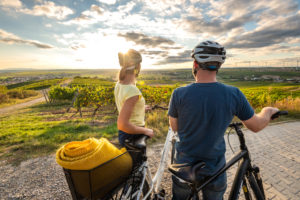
x: 259, y: 121
x: 173, y: 123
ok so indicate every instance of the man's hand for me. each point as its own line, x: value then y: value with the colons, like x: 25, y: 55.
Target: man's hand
x: 269, y: 111
x: 261, y: 120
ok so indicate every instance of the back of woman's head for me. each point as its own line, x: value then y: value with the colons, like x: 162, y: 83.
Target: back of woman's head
x: 129, y: 62
x: 130, y: 58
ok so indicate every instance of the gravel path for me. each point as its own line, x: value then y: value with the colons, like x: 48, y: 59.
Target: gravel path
x: 16, y: 107
x: 275, y: 150
x: 21, y: 105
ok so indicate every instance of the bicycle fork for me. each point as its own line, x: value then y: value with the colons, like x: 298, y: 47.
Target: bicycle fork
x: 258, y: 179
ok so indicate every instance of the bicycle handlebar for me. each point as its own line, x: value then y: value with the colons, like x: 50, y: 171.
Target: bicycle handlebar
x: 235, y: 124
x: 279, y: 113
x: 274, y: 116
x: 158, y: 107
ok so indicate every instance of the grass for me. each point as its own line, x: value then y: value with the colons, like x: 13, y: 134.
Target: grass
x: 250, y: 84
x: 158, y: 121
x: 17, y: 101
x: 40, y: 130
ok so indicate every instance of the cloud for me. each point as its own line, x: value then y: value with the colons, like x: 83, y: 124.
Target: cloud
x: 50, y: 10
x: 181, y: 57
x: 87, y: 17
x: 96, y: 9
x: 216, y: 26
x: 11, y: 3
x: 78, y: 46
x: 277, y: 31
x: 148, y: 41
x: 107, y: 1
x: 154, y: 53
x: 165, y: 7
x: 10, y: 38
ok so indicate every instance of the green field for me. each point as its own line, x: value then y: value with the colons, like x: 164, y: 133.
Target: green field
x: 41, y: 129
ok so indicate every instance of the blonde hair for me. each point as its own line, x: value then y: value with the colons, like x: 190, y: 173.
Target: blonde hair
x: 129, y: 62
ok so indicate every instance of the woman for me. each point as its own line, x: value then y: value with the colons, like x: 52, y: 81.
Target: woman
x: 129, y: 99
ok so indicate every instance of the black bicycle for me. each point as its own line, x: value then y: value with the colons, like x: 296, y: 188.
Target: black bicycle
x: 246, y: 174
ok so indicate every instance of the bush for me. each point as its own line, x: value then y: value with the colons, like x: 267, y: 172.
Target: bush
x: 61, y: 93
x: 3, y: 98
x: 21, y: 94
x: 3, y: 89
x: 29, y: 93
x: 15, y: 94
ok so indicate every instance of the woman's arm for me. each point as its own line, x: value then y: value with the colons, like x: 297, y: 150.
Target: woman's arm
x: 124, y: 116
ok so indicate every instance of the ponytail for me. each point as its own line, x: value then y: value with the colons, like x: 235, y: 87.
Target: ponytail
x: 129, y: 62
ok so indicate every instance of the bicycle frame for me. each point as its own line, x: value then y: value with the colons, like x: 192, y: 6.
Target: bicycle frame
x: 244, y: 166
x: 155, y: 182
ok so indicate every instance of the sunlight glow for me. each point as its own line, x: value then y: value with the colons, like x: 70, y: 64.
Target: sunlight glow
x: 102, y: 52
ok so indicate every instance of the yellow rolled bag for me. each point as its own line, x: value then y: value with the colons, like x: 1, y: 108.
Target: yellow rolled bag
x: 87, y: 154
x: 93, y: 166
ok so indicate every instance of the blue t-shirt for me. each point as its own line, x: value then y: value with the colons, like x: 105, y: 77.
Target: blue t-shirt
x: 204, y: 111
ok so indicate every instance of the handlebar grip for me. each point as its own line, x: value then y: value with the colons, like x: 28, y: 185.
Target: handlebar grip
x: 279, y: 113
x: 158, y: 107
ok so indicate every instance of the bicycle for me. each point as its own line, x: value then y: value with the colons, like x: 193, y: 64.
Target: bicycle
x: 140, y: 185
x: 246, y: 174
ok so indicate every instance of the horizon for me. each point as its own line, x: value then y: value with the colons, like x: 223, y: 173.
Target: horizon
x: 147, y: 69
x: 74, y: 35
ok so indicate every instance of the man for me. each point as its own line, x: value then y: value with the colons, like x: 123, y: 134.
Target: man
x: 201, y: 112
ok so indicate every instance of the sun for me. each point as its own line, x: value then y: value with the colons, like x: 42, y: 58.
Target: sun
x: 102, y: 52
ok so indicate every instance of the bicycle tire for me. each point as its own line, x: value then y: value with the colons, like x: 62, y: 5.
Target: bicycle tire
x: 120, y: 192
x: 255, y: 187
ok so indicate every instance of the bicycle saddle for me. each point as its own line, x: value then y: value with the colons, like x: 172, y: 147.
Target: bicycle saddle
x: 186, y: 171
x: 139, y: 143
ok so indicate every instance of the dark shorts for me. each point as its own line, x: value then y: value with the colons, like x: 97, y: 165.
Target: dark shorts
x: 123, y: 136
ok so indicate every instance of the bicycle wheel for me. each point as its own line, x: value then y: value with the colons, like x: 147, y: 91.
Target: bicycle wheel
x: 129, y: 190
x: 255, y: 187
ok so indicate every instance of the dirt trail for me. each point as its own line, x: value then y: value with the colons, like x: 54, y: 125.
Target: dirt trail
x: 21, y: 105
x: 31, y: 102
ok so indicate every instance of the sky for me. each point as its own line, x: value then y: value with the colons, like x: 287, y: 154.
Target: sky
x: 88, y: 34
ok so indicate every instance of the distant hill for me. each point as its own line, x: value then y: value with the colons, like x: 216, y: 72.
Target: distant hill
x: 16, y: 69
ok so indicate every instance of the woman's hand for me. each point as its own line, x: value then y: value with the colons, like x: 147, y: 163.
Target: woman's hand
x: 148, y: 108
x: 149, y: 132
